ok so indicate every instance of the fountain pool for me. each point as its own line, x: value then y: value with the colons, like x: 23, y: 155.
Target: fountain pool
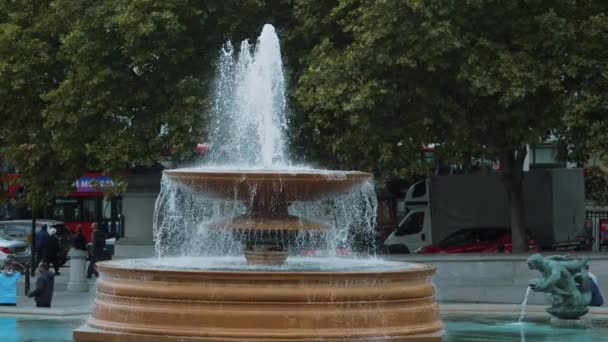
x: 459, y: 328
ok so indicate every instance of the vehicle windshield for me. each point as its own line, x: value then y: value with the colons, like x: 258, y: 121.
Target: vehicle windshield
x: 3, y: 235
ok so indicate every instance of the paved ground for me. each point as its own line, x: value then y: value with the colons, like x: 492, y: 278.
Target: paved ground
x: 64, y: 303
x: 70, y: 303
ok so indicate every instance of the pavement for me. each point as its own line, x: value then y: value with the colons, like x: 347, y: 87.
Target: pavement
x: 69, y: 303
x: 79, y: 303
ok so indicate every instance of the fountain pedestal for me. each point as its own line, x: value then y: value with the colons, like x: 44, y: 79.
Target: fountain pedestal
x: 140, y: 303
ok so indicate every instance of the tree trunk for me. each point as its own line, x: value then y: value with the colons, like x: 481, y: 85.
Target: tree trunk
x: 513, y: 175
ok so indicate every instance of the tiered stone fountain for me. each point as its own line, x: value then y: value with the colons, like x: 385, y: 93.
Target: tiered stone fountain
x: 264, y: 296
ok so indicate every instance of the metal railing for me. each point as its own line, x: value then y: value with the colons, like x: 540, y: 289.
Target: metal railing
x: 595, y: 216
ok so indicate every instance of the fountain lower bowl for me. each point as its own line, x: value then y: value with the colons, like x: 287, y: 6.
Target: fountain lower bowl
x: 333, y: 300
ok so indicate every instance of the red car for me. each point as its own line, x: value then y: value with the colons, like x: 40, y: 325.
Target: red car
x: 475, y: 240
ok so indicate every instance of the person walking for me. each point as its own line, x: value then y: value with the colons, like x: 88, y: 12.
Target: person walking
x: 8, y: 286
x: 45, y: 283
x: 98, y: 244
x: 11, y: 264
x: 42, y: 237
x: 80, y: 242
x: 52, y: 250
x: 596, y: 295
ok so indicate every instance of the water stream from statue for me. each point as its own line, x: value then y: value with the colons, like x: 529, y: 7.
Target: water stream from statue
x: 522, y: 315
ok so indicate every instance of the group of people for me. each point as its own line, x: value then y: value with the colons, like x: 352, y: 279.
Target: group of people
x: 47, y: 247
x: 47, y: 252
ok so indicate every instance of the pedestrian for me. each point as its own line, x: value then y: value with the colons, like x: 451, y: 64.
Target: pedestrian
x: 80, y: 242
x: 8, y: 286
x: 45, y: 284
x: 98, y: 244
x: 52, y: 250
x: 42, y: 237
x: 11, y: 263
x: 596, y: 294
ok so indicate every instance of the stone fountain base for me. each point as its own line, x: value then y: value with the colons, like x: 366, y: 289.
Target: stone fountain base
x: 89, y: 334
x: 190, y: 305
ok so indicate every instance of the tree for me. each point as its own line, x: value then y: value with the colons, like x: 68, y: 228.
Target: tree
x: 29, y: 67
x: 596, y: 186
x: 112, y: 85
x: 481, y: 78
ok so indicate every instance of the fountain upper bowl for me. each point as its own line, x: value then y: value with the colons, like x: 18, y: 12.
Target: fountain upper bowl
x: 288, y: 185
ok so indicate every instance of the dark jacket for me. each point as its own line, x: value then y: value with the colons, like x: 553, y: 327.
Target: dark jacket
x: 80, y: 242
x: 52, y: 246
x: 42, y: 237
x: 596, y: 295
x: 98, y: 242
x: 44, y: 288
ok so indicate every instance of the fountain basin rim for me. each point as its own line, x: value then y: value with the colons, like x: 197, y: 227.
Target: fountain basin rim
x: 265, y: 174
x: 117, y: 266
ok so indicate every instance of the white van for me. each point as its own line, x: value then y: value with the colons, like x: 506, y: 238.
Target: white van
x: 414, y: 230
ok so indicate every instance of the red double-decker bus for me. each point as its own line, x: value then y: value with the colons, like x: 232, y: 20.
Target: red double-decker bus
x: 83, y: 207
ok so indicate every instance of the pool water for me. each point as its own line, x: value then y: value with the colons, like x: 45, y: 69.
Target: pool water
x: 484, y: 328
x: 17, y: 329
x: 481, y: 328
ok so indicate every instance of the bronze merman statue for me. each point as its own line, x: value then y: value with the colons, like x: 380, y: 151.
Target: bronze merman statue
x: 566, y: 284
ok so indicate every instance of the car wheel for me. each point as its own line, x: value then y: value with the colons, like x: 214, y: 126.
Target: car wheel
x: 398, y: 249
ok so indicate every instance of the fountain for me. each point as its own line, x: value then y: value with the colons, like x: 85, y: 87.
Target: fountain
x: 250, y: 200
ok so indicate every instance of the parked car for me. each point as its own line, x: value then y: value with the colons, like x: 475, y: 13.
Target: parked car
x: 476, y: 240
x: 21, y: 230
x: 20, y: 249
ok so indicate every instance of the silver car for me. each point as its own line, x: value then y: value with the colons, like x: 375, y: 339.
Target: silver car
x: 21, y: 230
x: 20, y: 249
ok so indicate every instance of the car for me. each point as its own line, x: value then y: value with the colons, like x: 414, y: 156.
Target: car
x: 476, y: 240
x: 20, y: 249
x: 21, y: 230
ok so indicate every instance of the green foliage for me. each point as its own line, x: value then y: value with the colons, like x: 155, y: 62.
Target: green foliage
x: 110, y: 85
x: 481, y: 78
x: 29, y: 66
x: 596, y: 186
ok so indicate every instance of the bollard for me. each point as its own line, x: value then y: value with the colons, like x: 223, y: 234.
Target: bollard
x: 77, y: 281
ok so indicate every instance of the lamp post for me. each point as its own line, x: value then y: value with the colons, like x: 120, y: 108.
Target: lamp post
x: 33, y: 244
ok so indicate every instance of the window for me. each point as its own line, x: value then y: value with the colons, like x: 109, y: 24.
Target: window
x: 107, y: 209
x: 545, y: 155
x: 66, y: 209
x: 457, y: 238
x: 413, y: 224
x: 419, y: 189
x: 90, y: 211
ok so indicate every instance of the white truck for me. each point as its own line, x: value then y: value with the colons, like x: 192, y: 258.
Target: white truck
x: 554, y: 201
